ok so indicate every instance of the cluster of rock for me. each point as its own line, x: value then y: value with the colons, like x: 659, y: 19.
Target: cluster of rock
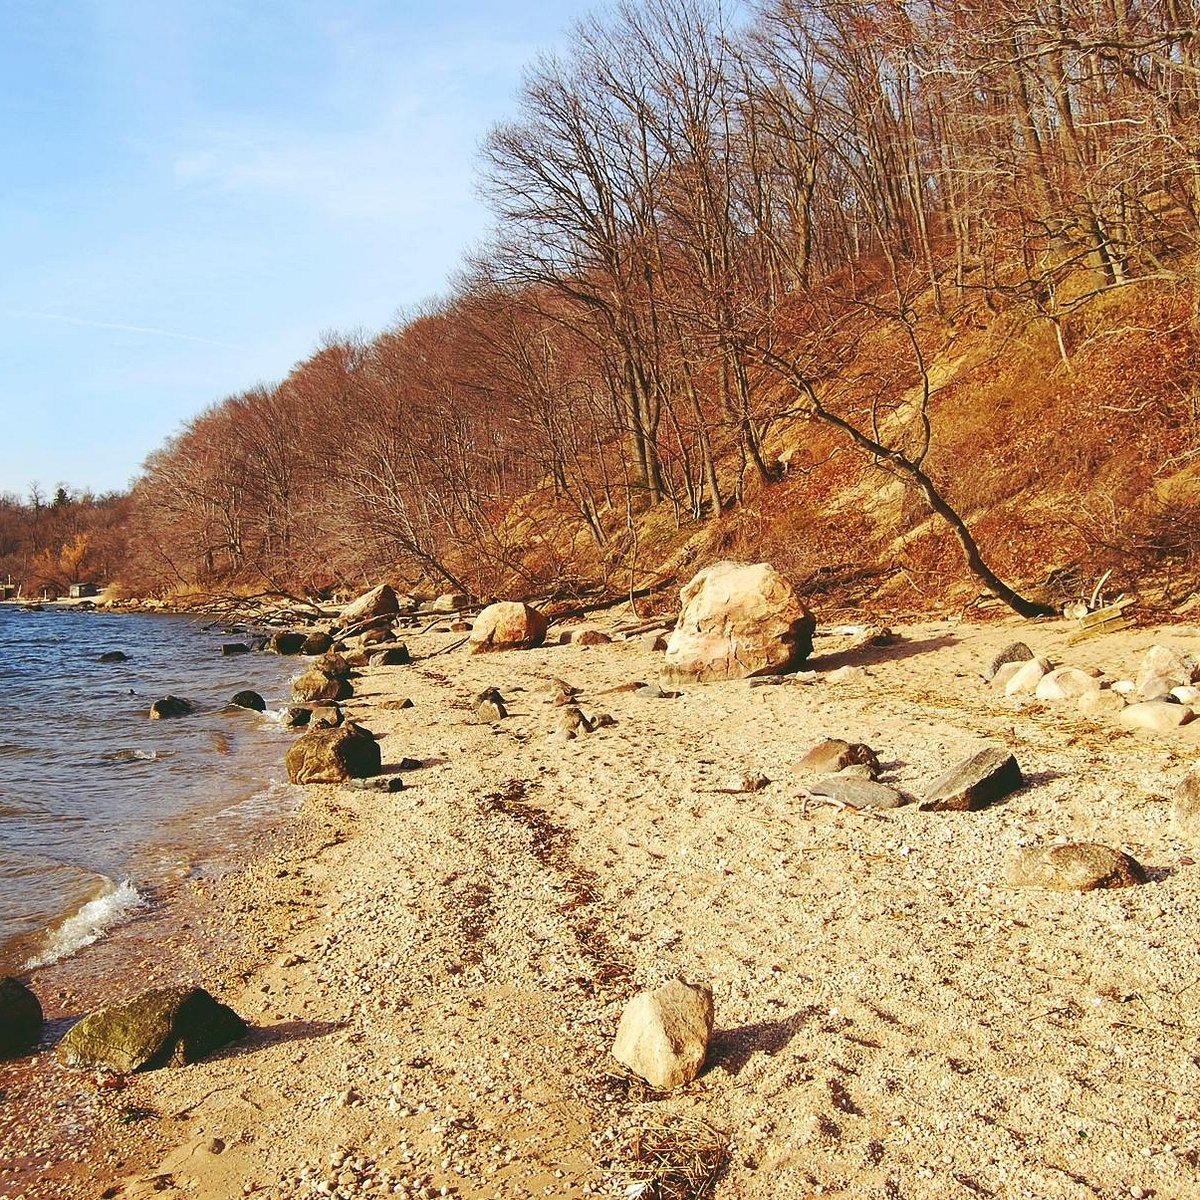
x: 1161, y: 698
x: 162, y: 1027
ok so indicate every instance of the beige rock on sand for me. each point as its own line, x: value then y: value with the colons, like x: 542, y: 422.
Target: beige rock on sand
x: 738, y: 620
x: 508, y: 625
x: 663, y: 1035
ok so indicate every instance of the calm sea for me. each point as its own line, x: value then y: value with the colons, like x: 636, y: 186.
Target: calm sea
x: 102, y: 810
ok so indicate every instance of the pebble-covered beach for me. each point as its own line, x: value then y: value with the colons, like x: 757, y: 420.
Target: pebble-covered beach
x: 433, y: 976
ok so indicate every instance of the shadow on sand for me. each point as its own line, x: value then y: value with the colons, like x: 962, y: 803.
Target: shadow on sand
x: 869, y: 656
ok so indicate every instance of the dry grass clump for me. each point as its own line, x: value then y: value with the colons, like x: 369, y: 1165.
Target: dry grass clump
x: 676, y: 1158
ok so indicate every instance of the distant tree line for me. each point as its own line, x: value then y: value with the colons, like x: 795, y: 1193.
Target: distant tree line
x: 702, y: 232
x: 48, y: 542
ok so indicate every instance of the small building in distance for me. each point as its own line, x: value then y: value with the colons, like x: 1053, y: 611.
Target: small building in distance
x: 81, y: 591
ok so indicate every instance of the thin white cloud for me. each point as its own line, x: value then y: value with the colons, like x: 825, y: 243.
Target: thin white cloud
x: 146, y: 329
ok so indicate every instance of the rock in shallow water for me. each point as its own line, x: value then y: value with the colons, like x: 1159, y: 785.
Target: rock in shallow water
x: 163, y: 1027
x: 171, y: 706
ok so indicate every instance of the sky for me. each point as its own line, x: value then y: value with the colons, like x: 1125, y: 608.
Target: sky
x: 193, y: 192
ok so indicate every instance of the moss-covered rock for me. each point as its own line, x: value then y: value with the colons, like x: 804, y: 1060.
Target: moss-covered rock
x: 333, y: 755
x: 163, y: 1027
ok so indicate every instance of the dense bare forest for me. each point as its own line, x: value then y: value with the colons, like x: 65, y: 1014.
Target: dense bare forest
x: 871, y: 286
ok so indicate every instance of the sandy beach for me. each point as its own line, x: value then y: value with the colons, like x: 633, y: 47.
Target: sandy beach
x: 434, y: 976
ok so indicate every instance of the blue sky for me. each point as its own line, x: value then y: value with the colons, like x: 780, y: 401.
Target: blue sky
x: 193, y: 191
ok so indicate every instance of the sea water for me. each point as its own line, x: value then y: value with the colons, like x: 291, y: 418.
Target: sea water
x: 103, y: 810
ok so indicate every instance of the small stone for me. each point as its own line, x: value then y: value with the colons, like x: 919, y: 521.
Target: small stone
x: 1074, y: 867
x: 119, y: 656
x: 834, y: 755
x: 663, y: 1035
x: 1155, y: 716
x: 747, y: 783
x: 573, y: 721
x: 249, y: 699
x: 1066, y: 683
x: 846, y: 675
x: 1014, y: 652
x: 1024, y: 682
x: 654, y: 642
x: 390, y: 656
x: 1105, y: 703
x: 987, y: 776
x: 1159, y: 687
x: 651, y: 691
x: 403, y: 703
x: 1186, y: 694
x: 1169, y: 662
x: 1004, y: 673
x: 489, y: 706
x: 229, y: 649
x: 1186, y: 806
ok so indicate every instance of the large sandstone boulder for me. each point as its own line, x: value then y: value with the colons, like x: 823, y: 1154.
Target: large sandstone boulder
x: 738, y: 620
x: 664, y: 1034
x: 508, y: 625
x: 20, y: 1017
x: 380, y: 601
x: 164, y: 1027
x: 332, y: 755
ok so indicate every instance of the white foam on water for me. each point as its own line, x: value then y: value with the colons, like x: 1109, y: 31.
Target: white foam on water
x: 115, y: 903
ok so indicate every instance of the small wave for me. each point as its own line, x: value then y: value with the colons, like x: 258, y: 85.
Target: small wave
x: 114, y: 904
x: 132, y: 754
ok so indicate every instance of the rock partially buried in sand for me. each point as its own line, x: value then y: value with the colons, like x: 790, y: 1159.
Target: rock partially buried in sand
x: 856, y: 793
x: 163, y: 1027
x: 508, y: 625
x: 1025, y: 679
x: 1074, y: 867
x: 489, y: 706
x: 987, y: 776
x: 1155, y: 716
x: 326, y: 755
x: 171, y: 706
x: 20, y: 1017
x: 664, y: 1034
x: 737, y: 621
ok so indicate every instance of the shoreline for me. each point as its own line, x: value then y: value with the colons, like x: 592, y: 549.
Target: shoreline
x: 433, y: 976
